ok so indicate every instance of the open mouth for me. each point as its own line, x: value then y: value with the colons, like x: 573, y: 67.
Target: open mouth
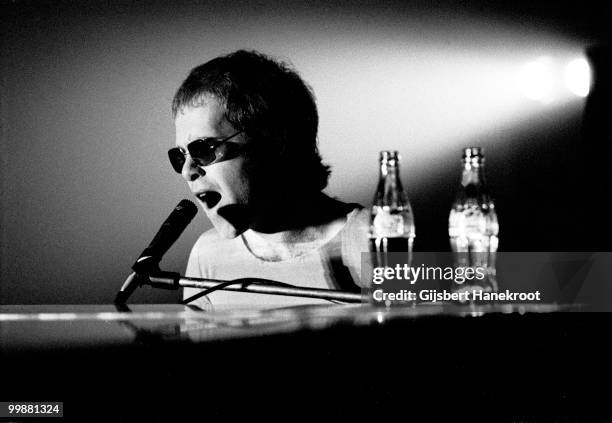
x: 209, y: 198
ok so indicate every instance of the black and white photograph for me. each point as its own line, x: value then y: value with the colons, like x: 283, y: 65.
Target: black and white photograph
x: 305, y: 211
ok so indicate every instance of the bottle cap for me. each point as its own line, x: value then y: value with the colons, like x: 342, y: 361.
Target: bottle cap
x: 388, y: 155
x: 473, y: 152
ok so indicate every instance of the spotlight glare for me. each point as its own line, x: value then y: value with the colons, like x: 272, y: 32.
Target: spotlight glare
x: 578, y: 77
x: 535, y: 80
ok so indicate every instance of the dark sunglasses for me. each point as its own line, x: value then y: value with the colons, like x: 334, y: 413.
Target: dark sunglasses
x: 204, y: 151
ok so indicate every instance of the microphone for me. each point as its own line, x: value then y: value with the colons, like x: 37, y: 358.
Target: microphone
x: 167, y: 235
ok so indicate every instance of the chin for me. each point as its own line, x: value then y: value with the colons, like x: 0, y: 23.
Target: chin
x: 230, y: 220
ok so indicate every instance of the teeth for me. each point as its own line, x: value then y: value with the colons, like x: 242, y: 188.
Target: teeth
x: 209, y: 198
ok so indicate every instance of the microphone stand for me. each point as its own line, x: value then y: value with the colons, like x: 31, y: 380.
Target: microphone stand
x: 172, y: 280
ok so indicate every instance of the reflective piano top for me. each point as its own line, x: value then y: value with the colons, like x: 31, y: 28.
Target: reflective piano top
x: 27, y: 327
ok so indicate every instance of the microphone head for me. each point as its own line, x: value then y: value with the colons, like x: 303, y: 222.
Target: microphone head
x: 181, y: 216
x: 188, y: 208
x: 169, y: 232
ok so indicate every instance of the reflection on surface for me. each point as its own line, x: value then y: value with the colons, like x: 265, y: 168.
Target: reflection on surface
x: 32, y: 327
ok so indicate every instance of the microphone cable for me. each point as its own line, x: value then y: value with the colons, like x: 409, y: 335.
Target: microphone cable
x: 244, y: 281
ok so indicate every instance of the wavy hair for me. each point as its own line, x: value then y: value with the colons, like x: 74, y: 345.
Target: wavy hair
x: 270, y: 102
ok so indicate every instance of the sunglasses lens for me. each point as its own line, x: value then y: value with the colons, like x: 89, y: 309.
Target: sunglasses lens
x: 202, y: 152
x: 177, y: 159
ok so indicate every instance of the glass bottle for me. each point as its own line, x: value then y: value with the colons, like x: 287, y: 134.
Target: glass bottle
x: 392, y: 221
x: 472, y: 225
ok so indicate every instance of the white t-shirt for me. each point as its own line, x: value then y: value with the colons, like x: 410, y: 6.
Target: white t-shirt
x: 335, y: 265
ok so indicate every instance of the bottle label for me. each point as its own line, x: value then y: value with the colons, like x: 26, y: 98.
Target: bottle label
x: 388, y: 225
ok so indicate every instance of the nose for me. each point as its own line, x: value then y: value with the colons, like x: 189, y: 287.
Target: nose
x: 191, y: 171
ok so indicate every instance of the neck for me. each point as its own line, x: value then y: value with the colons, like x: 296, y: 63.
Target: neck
x: 291, y: 215
x: 295, y: 228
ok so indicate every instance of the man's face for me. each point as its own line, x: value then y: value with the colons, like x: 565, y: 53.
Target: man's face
x: 222, y: 188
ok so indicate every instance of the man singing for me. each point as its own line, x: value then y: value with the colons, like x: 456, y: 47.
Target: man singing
x: 246, y: 143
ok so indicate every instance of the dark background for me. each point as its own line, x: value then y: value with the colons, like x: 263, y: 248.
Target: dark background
x: 85, y: 122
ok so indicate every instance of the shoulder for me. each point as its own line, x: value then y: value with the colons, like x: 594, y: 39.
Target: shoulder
x: 357, y: 221
x: 354, y: 241
x: 354, y: 225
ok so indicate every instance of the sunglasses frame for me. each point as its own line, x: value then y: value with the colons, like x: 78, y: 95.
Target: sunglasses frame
x: 213, y: 145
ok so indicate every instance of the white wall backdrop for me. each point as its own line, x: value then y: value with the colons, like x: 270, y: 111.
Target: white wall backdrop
x: 86, y: 91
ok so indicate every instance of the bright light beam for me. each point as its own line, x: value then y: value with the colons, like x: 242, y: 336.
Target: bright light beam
x: 578, y: 77
x: 536, y: 80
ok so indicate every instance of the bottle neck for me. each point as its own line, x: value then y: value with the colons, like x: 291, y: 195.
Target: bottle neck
x: 473, y: 173
x: 390, y: 190
x: 390, y: 170
x: 473, y: 186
